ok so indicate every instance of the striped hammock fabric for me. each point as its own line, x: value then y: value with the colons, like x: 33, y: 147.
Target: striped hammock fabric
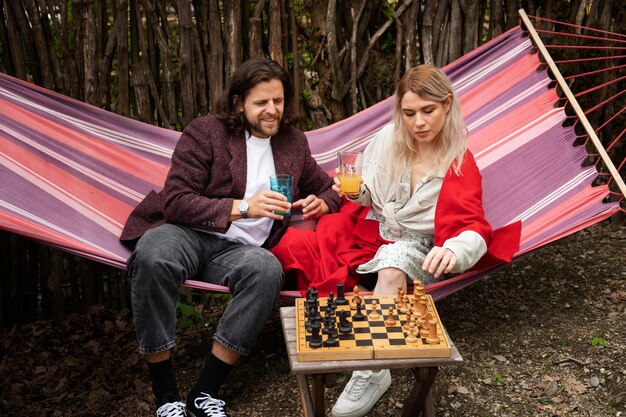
x: 71, y: 173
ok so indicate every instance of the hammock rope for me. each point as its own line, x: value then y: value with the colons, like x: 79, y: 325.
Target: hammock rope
x: 571, y: 97
x: 590, y: 29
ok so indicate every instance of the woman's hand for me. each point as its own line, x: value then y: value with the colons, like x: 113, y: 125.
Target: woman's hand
x: 439, y: 260
x: 312, y: 207
x: 337, y: 184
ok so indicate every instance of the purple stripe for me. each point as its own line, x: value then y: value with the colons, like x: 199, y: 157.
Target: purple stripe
x: 520, y: 179
x: 107, y: 171
x: 34, y: 200
x: 487, y: 54
x: 99, y: 117
x: 597, y: 208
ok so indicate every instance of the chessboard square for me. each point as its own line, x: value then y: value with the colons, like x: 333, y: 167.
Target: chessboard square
x: 397, y: 342
x: 362, y: 336
x: 361, y: 330
x: 394, y: 329
x: 379, y: 336
x: 349, y: 336
x: 364, y: 342
x: 377, y: 323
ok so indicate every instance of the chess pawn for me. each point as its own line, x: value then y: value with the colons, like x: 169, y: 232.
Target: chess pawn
x: 424, y: 327
x: 359, y: 316
x: 411, y: 338
x: 400, y: 297
x: 405, y: 305
x: 374, y: 313
x: 355, y: 297
x: 390, y: 320
x: 433, y: 337
x: 407, y: 323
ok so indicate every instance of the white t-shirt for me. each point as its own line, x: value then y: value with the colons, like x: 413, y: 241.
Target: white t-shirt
x: 260, y: 162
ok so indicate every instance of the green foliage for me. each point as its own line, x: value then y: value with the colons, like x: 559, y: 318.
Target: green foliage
x: 388, y: 43
x: 598, y: 341
x: 498, y: 377
x: 187, y: 316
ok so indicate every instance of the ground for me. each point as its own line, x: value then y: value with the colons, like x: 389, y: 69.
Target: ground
x: 545, y: 336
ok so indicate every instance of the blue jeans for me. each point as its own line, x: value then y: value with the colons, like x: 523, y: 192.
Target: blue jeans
x: 167, y: 255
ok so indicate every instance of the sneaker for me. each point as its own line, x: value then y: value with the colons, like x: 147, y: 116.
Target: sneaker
x: 206, y: 406
x: 361, y: 393
x: 176, y: 409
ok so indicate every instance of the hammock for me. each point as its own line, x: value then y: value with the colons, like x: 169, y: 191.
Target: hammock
x: 71, y: 173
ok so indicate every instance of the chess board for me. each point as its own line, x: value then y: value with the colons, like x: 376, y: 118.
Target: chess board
x: 371, y: 338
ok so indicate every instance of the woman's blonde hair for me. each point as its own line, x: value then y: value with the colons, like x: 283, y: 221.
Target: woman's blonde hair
x: 431, y: 84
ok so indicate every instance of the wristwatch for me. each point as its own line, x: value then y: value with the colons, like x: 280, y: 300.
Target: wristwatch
x: 243, y: 209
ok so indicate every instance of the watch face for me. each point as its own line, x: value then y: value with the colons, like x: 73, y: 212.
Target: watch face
x: 243, y: 206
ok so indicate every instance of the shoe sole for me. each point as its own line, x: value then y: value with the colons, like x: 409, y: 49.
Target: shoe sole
x: 382, y: 389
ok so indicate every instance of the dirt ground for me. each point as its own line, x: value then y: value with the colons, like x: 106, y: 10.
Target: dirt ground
x: 545, y: 336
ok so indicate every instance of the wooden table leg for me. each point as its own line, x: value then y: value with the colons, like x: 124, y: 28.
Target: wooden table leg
x: 420, y: 394
x: 305, y: 396
x: 318, y: 395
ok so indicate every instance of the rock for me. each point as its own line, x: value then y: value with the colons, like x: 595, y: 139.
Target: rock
x: 462, y: 390
x: 499, y: 358
x: 594, y: 381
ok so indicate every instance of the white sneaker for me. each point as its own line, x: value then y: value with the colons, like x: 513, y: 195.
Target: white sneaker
x: 176, y: 409
x: 361, y: 393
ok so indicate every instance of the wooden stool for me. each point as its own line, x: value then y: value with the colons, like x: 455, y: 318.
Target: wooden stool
x: 323, y: 373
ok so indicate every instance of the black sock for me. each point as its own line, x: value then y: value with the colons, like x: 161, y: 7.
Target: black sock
x: 211, y: 378
x: 163, y: 382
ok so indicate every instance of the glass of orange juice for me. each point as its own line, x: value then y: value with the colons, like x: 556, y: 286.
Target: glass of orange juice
x: 350, y: 166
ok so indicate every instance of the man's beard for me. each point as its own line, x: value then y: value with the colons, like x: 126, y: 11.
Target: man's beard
x: 258, y: 127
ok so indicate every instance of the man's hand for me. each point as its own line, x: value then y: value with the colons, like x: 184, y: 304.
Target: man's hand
x: 312, y: 207
x: 264, y: 204
x: 439, y: 260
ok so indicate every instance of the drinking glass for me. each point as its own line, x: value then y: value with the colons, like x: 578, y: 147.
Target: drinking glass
x: 282, y: 183
x: 350, y: 166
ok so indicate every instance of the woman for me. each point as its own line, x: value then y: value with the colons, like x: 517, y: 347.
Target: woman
x: 425, y: 197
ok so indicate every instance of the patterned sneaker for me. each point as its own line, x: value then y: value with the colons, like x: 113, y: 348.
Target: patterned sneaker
x: 361, y: 393
x: 176, y: 409
x: 206, y: 406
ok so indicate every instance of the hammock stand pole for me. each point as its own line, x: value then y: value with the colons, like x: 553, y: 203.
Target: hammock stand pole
x: 570, y: 96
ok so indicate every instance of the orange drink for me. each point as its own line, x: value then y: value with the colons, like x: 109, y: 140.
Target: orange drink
x: 350, y: 165
x: 350, y: 184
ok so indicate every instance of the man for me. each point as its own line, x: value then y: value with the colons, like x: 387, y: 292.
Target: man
x: 213, y: 220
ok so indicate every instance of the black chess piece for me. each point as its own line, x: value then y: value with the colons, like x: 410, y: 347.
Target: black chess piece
x: 331, y: 301
x: 314, y: 293
x: 345, y: 326
x: 331, y: 341
x: 316, y: 338
x: 359, y: 316
x: 341, y: 297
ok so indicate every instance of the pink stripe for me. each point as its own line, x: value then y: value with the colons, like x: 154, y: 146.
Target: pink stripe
x: 479, y: 96
x: 120, y: 158
x: 86, y: 199
x: 562, y: 212
x: 36, y: 231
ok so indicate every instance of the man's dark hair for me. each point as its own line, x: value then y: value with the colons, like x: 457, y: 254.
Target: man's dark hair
x: 248, y: 75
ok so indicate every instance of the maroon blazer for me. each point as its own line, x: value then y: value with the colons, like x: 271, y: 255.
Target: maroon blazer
x: 208, y: 172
